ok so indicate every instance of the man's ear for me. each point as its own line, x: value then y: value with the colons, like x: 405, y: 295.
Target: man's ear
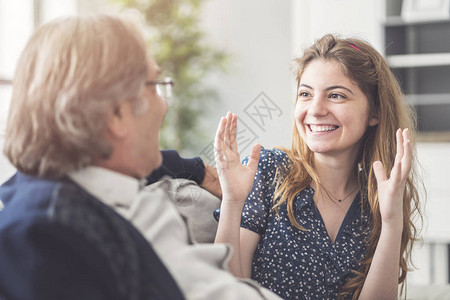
x: 118, y: 121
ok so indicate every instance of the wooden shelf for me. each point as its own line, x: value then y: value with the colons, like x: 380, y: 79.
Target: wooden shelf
x: 428, y: 99
x: 419, y: 60
x: 5, y: 82
x: 433, y: 137
x: 394, y: 21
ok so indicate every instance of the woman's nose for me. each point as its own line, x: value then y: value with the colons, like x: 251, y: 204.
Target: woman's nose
x: 318, y: 106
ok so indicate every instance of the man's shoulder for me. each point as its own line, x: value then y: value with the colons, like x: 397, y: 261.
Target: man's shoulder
x: 30, y: 195
x: 26, y: 197
x: 37, y: 203
x: 64, y: 218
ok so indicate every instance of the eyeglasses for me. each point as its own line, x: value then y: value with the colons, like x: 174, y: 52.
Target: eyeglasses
x: 163, y: 87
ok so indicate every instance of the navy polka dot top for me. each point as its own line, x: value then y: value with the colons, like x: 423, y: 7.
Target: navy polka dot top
x: 293, y: 263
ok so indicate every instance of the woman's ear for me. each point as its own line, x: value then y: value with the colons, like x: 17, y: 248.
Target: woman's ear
x: 373, y: 121
x: 373, y: 117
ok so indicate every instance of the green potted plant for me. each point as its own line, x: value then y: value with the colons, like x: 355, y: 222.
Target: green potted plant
x: 179, y: 45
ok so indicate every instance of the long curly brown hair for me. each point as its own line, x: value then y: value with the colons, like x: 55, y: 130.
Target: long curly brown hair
x: 365, y: 66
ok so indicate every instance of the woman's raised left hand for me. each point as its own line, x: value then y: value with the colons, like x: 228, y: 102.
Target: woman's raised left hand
x: 391, y: 190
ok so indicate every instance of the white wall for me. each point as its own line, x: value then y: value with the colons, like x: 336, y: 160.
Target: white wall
x: 349, y: 18
x: 257, y: 34
x: 6, y: 169
x: 435, y: 161
x: 15, y: 27
x: 431, y: 259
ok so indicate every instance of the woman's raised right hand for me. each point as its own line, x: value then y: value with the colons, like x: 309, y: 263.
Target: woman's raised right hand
x: 236, y: 179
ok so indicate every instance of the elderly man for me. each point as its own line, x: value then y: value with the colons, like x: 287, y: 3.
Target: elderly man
x: 83, y: 132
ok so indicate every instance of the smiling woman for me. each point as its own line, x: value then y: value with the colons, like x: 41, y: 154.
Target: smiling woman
x: 332, y: 113
x: 323, y: 219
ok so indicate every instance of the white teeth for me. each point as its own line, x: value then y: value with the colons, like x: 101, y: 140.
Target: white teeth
x: 322, y: 128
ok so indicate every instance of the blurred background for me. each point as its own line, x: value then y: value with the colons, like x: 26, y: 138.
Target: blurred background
x: 231, y: 55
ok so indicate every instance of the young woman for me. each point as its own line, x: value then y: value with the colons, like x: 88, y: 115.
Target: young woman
x: 331, y: 217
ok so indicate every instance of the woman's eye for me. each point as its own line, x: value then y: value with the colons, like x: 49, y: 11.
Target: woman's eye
x: 337, y: 96
x: 303, y: 94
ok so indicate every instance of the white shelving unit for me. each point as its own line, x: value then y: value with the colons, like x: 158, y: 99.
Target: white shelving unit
x: 419, y: 60
x: 419, y: 53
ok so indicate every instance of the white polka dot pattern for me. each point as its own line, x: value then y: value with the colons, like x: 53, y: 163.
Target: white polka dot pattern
x: 299, y: 264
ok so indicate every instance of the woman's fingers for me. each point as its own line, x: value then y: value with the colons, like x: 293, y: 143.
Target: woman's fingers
x: 233, y: 134
x: 218, y: 142
x: 396, y: 171
x: 226, y: 139
x: 380, y: 174
x: 407, y: 154
x: 230, y: 132
x: 254, y: 157
x: 225, y: 143
x: 403, y: 159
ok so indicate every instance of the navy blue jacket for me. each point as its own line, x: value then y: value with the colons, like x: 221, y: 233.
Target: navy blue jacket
x: 177, y: 167
x: 59, y: 242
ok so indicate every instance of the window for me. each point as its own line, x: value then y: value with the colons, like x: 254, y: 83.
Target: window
x: 18, y: 19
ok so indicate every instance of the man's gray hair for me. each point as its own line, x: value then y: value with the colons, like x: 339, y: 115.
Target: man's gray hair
x: 71, y: 75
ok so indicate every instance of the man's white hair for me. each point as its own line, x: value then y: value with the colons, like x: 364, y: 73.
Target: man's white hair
x: 72, y: 73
